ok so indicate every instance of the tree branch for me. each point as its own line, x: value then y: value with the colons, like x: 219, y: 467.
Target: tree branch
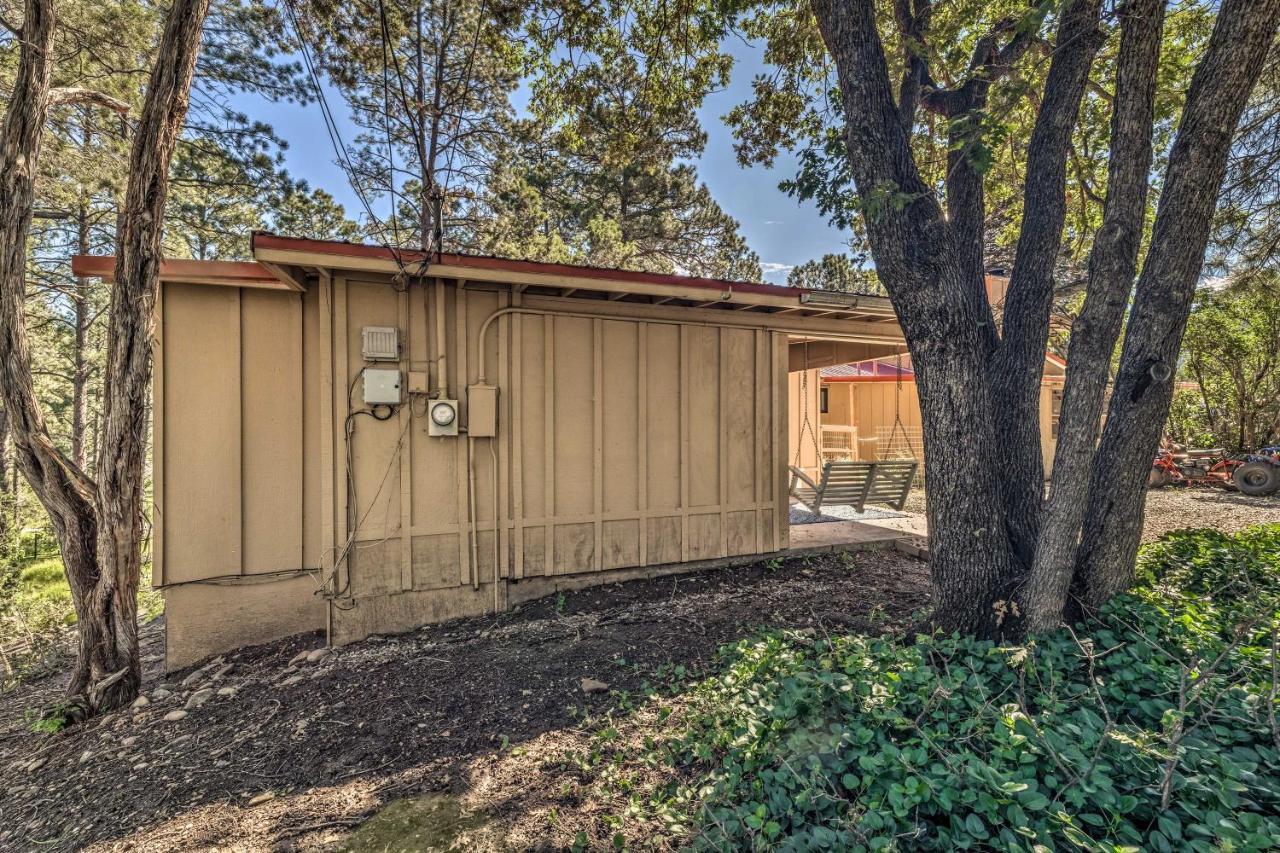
x: 1093, y: 337
x: 76, y: 95
x: 1018, y: 364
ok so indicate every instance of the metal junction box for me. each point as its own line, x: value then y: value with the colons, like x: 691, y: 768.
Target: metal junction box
x: 482, y: 411
x: 382, y: 387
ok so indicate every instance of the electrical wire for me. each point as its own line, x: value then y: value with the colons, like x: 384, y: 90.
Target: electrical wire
x: 335, y: 137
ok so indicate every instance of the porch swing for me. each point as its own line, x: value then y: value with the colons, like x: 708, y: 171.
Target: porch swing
x: 846, y: 482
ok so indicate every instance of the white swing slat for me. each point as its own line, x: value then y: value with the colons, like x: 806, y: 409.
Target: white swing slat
x: 854, y: 484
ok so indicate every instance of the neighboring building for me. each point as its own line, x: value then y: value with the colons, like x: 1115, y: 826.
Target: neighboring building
x: 312, y: 470
x: 870, y: 410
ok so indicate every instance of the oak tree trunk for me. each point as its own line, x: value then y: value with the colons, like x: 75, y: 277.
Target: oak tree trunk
x: 1220, y: 88
x: 1017, y: 366
x: 1112, y: 264
x: 979, y: 393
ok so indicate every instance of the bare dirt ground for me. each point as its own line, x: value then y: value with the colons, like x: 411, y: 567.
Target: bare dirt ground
x: 277, y: 753
x: 462, y: 727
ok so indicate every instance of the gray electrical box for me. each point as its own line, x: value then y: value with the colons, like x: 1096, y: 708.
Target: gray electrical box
x: 382, y: 387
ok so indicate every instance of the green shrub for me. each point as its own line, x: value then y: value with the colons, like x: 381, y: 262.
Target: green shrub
x: 37, y: 618
x: 1151, y: 727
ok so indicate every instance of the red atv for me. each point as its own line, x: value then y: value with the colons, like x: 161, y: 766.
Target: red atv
x: 1255, y: 474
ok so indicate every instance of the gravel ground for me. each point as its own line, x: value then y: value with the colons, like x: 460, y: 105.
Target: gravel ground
x: 1172, y: 509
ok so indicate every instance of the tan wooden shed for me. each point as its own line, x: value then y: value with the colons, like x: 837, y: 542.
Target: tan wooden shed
x: 609, y: 424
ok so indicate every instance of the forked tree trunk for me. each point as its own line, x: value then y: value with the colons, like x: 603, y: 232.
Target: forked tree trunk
x: 917, y: 258
x: 118, y: 499
x: 980, y: 414
x: 102, y: 570
x: 1018, y: 363
x: 56, y: 480
x: 978, y: 545
x: 1220, y: 88
x: 1093, y: 335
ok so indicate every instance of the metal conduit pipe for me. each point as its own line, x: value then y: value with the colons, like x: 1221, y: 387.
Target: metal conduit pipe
x: 442, y: 361
x: 502, y: 312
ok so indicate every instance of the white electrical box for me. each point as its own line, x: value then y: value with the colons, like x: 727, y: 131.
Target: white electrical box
x: 442, y: 417
x: 380, y: 343
x: 382, y: 387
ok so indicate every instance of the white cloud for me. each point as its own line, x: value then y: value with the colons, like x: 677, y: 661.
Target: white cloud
x: 771, y: 270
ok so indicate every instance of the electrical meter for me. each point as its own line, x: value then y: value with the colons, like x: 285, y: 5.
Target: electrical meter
x: 442, y: 417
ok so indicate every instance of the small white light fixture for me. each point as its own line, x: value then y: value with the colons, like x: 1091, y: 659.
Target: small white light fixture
x: 442, y: 417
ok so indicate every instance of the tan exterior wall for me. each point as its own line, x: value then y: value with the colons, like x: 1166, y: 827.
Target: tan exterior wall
x: 629, y: 436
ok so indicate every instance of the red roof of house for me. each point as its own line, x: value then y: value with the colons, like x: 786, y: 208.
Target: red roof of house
x: 411, y: 257
x: 868, y: 371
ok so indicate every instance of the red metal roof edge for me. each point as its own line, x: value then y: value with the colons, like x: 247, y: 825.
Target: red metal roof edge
x: 264, y: 240
x: 104, y: 266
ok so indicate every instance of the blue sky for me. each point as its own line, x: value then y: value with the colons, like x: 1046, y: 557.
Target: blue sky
x: 783, y: 232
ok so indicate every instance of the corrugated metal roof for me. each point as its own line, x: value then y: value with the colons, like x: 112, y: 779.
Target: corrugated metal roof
x: 867, y: 371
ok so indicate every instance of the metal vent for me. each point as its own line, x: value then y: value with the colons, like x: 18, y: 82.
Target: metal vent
x: 381, y: 343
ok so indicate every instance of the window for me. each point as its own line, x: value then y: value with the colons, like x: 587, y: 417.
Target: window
x: 822, y: 401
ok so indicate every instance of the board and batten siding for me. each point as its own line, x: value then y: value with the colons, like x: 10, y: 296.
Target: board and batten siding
x: 629, y: 438
x: 230, y: 468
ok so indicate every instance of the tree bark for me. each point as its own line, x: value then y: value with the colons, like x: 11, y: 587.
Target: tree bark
x: 1242, y: 35
x: 1018, y: 365
x: 62, y: 488
x: 1112, y: 264
x: 917, y: 259
x: 118, y: 498
x: 80, y: 342
x: 4, y: 487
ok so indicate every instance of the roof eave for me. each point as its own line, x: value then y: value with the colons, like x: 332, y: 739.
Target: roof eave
x: 221, y: 273
x: 272, y: 250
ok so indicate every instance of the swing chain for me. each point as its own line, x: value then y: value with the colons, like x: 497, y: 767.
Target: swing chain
x: 804, y: 420
x: 897, y: 410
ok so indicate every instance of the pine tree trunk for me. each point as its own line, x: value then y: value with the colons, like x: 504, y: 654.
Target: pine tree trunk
x: 57, y: 481
x: 1220, y: 88
x: 1093, y: 335
x: 80, y: 361
x: 4, y: 487
x: 130, y: 334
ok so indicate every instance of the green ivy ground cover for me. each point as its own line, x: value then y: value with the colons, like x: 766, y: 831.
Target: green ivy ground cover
x: 1151, y: 727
